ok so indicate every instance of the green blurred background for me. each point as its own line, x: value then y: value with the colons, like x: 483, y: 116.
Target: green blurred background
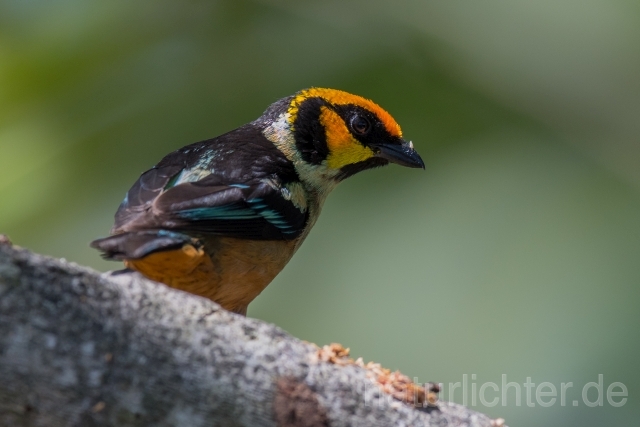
x: 517, y: 252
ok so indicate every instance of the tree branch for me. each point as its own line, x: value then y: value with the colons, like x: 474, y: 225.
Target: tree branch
x: 80, y: 348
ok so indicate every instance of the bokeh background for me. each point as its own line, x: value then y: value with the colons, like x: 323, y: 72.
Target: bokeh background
x: 517, y: 252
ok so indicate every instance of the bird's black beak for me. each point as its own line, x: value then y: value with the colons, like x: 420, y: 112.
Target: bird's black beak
x: 402, y: 154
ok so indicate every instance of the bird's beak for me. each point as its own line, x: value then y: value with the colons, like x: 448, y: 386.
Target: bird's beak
x: 402, y: 154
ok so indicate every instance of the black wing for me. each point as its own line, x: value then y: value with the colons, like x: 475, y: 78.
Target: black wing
x: 238, y: 185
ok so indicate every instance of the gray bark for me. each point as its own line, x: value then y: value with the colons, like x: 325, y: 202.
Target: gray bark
x: 80, y: 348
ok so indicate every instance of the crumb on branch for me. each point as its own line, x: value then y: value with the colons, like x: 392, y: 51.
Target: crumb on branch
x: 396, y: 384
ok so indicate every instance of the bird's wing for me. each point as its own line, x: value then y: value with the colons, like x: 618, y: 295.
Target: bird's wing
x: 261, y: 210
x: 237, y: 185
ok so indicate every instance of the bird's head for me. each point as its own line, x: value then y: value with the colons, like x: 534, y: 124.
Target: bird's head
x: 330, y: 134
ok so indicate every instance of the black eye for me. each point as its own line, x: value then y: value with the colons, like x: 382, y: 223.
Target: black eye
x: 360, y: 125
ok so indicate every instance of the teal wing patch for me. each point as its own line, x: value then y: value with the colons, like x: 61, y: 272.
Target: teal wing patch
x: 263, y: 210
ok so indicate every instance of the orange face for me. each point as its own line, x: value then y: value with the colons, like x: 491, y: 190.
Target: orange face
x: 339, y: 97
x: 343, y: 148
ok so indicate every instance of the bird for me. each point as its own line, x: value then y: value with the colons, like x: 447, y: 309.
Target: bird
x: 220, y: 218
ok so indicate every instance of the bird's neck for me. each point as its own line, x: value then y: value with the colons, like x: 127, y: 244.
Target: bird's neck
x: 317, y: 179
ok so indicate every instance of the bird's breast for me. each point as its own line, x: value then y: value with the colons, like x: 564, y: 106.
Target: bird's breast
x: 229, y: 271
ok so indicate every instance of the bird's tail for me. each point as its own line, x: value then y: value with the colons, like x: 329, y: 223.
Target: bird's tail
x: 138, y: 244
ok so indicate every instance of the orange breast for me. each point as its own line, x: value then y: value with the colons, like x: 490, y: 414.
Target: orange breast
x: 231, y: 272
